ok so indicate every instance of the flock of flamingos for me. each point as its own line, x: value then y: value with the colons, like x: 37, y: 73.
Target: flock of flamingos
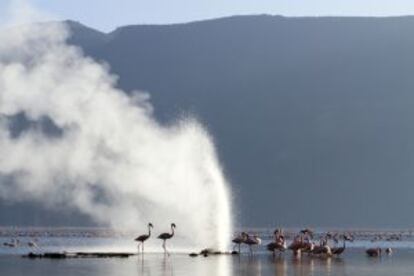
x: 301, y: 243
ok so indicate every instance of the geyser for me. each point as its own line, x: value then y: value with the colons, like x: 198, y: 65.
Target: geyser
x: 111, y: 160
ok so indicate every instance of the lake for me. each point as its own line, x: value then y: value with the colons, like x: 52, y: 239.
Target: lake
x: 352, y: 262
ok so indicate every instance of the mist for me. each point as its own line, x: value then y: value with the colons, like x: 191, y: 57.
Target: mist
x: 108, y: 157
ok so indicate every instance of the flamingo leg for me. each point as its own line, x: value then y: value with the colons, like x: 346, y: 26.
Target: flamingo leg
x: 168, y: 253
x: 142, y: 247
x: 138, y: 246
x: 239, y: 248
x: 164, y: 247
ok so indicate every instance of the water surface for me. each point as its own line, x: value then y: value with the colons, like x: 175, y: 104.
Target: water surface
x: 352, y: 262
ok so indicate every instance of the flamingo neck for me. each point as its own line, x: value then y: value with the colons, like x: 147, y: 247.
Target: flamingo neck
x: 172, y: 231
x: 149, y: 230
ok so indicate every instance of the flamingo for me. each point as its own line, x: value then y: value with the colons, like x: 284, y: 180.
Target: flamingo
x: 13, y: 243
x: 339, y: 250
x: 32, y: 244
x: 141, y: 239
x: 297, y: 245
x: 166, y: 236
x: 255, y: 240
x: 239, y: 240
x: 322, y: 249
x: 373, y: 252
x: 278, y: 244
x: 273, y: 246
x: 349, y: 237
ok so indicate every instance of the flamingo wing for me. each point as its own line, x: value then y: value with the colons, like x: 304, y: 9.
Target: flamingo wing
x: 271, y: 246
x: 164, y: 236
x: 142, y: 238
x: 237, y: 240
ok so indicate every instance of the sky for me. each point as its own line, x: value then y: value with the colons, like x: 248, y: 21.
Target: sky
x: 109, y: 14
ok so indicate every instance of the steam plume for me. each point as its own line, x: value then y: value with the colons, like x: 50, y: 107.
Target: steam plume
x: 110, y: 159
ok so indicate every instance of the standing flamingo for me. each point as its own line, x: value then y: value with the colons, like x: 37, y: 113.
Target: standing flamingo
x: 166, y: 236
x: 339, y: 250
x: 255, y: 240
x: 279, y: 242
x: 388, y: 251
x: 239, y: 240
x: 13, y: 243
x: 141, y: 239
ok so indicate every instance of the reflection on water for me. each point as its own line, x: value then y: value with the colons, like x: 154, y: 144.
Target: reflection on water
x: 280, y: 265
x: 249, y: 265
x: 286, y: 265
x: 354, y: 262
x: 160, y: 264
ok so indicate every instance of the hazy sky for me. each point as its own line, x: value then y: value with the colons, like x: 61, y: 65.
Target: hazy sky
x: 107, y: 15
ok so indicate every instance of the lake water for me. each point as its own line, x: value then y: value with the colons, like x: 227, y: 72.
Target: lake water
x: 352, y: 262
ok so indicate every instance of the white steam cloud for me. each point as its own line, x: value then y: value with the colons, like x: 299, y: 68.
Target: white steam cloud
x: 112, y: 160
